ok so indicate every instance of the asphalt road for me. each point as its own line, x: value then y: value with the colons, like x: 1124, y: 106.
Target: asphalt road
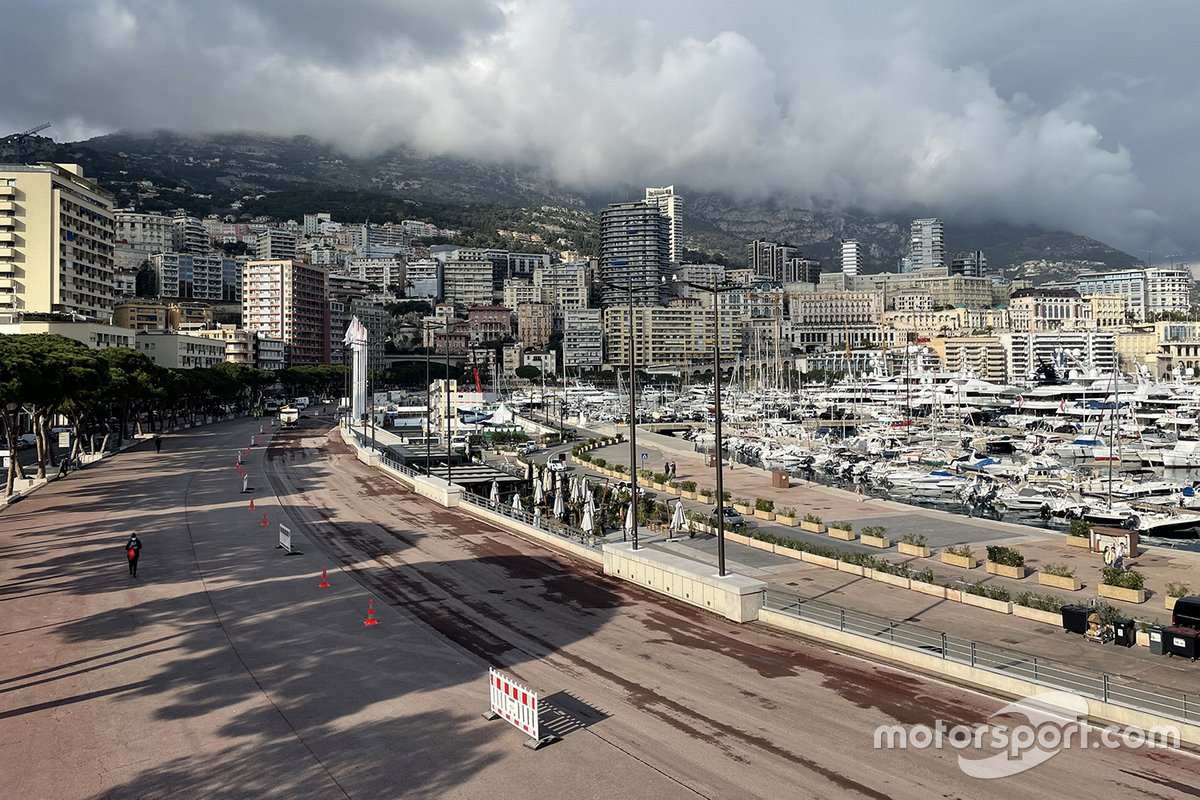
x: 223, y: 671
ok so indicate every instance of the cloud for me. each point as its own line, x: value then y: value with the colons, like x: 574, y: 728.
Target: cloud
x: 1017, y: 111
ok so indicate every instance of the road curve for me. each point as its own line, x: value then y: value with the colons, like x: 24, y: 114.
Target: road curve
x: 721, y: 710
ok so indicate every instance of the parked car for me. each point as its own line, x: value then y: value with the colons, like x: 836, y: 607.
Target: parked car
x: 732, y: 517
x: 525, y: 448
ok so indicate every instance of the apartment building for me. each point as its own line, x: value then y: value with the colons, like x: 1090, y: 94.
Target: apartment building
x: 180, y: 350
x: 565, y: 286
x: 583, y: 338
x: 679, y: 334
x: 288, y: 300
x: 535, y: 323
x: 56, y: 243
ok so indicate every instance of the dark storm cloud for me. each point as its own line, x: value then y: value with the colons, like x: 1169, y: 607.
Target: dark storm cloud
x: 1074, y: 114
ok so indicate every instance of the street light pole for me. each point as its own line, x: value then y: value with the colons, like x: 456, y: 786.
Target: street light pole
x: 428, y: 406
x: 449, y: 446
x: 633, y: 495
x: 717, y: 428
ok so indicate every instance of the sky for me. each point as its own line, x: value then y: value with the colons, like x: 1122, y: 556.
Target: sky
x: 1072, y: 114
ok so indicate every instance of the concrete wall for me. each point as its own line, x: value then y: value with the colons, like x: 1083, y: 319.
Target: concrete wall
x: 974, y: 676
x: 734, y: 597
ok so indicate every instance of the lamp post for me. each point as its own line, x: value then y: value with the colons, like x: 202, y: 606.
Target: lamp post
x: 716, y: 289
x: 449, y: 444
x: 633, y: 477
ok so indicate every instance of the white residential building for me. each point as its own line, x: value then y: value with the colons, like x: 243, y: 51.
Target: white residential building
x: 927, y: 244
x: 670, y: 205
x: 1149, y: 291
x: 583, y: 338
x: 851, y: 257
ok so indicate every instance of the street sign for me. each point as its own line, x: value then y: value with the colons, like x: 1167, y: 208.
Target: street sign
x: 645, y: 456
x: 515, y: 704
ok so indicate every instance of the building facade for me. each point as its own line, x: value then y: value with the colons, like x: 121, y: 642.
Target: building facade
x: 670, y: 205
x: 288, y: 300
x: 926, y: 244
x: 57, y: 234
x: 180, y: 350
x: 583, y: 339
x: 635, y: 254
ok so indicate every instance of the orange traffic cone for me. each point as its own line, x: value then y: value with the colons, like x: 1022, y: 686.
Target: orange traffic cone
x: 324, y: 584
x: 251, y: 503
x: 264, y: 522
x: 370, y: 620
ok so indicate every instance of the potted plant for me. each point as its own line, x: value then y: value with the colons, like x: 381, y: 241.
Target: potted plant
x: 764, y: 509
x: 813, y: 524
x: 874, y: 536
x: 914, y: 544
x: 1122, y: 583
x: 742, y: 506
x: 687, y: 490
x: 1059, y: 576
x: 1040, y: 607
x: 1079, y: 533
x: 1005, y: 562
x: 787, y: 516
x: 599, y: 463
x: 840, y: 529
x: 1174, y: 592
x: 657, y: 479
x: 961, y: 556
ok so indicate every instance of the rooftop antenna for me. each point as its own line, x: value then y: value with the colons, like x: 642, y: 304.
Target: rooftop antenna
x: 20, y: 137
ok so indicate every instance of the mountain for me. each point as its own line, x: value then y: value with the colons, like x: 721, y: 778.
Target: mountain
x: 285, y: 176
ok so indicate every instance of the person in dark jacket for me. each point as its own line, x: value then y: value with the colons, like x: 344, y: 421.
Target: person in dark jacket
x: 133, y: 549
x: 158, y: 444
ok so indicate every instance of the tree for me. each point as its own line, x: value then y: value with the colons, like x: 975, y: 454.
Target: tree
x: 146, y: 281
x: 18, y: 369
x: 528, y: 372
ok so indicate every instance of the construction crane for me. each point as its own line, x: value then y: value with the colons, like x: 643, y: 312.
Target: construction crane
x: 18, y: 138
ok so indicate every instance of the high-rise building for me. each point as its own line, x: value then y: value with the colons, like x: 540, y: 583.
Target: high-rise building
x: 535, y: 323
x: 670, y: 205
x: 927, y: 244
x: 851, y: 259
x: 801, y: 270
x: 583, y: 338
x: 275, y: 244
x: 196, y: 277
x: 563, y: 285
x: 189, y: 235
x: 768, y: 259
x: 423, y: 278
x: 972, y: 264
x: 56, y: 242
x: 468, y: 279
x: 635, y: 254
x: 287, y: 300
x: 350, y: 297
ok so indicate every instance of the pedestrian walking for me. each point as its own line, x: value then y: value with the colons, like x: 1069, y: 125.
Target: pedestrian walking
x: 158, y: 444
x: 133, y: 548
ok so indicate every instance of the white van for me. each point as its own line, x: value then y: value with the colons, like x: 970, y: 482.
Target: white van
x: 300, y: 403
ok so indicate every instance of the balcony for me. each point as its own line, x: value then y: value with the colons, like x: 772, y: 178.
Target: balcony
x: 7, y: 252
x: 7, y: 206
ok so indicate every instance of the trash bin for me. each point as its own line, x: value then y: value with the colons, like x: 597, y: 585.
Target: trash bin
x: 1156, y: 640
x: 1074, y: 619
x: 710, y: 460
x: 780, y: 479
x: 1179, y: 641
x: 1186, y: 613
x: 1125, y: 632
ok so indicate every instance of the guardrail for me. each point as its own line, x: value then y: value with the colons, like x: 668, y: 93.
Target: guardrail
x: 1117, y: 690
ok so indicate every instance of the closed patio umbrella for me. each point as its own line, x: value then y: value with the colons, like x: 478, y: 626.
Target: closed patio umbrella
x: 678, y: 519
x: 538, y: 494
x: 589, y: 521
x: 494, y: 498
x: 537, y: 516
x: 558, y: 505
x: 627, y: 530
x: 517, y: 506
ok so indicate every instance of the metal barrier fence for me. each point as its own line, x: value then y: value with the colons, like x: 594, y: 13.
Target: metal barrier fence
x: 547, y: 523
x: 1118, y: 690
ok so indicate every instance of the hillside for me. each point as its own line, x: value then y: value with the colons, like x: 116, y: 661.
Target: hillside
x: 284, y: 177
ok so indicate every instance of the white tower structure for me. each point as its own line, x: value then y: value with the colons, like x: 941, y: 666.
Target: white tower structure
x: 851, y: 262
x: 356, y: 340
x: 670, y: 205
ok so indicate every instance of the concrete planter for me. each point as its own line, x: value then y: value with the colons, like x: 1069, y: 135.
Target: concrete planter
x: 853, y: 569
x: 688, y: 495
x: 760, y: 514
x: 790, y: 522
x: 889, y: 579
x: 954, y: 595
x: 882, y: 542
x: 962, y: 562
x: 1169, y: 603
x: 845, y: 534
x: 662, y: 487
x: 919, y: 550
x: 1002, y: 606
x: 744, y: 510
x: 1122, y: 594
x: 821, y: 561
x: 812, y: 527
x: 1142, y: 638
x: 758, y: 544
x: 1078, y: 541
x: 1004, y: 571
x: 737, y: 538
x: 930, y: 589
x: 1037, y: 615
x: 789, y: 552
x: 1059, y: 582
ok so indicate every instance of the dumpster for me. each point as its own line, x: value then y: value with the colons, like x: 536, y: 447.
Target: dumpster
x: 1125, y: 632
x: 1074, y: 618
x: 1156, y: 640
x: 1186, y: 613
x: 1179, y: 641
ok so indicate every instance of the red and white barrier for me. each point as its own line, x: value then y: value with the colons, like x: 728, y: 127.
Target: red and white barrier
x: 515, y: 704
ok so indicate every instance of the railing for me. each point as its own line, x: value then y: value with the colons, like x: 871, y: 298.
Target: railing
x: 1117, y: 690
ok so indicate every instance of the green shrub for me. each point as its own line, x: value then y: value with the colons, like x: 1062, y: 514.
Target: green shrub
x: 787, y: 511
x: 659, y: 477
x: 687, y: 486
x: 764, y: 505
x: 983, y: 590
x: 1178, y: 589
x: 1061, y: 570
x: 1123, y: 577
x: 841, y: 525
x: 600, y: 462
x: 1006, y: 556
x: 645, y: 474
x: 742, y: 501
x: 813, y: 519
x: 1042, y: 602
x: 584, y: 457
x: 620, y: 469
x: 1108, y: 613
x: 961, y: 550
x: 1080, y: 528
x: 873, y: 530
x: 915, y: 539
